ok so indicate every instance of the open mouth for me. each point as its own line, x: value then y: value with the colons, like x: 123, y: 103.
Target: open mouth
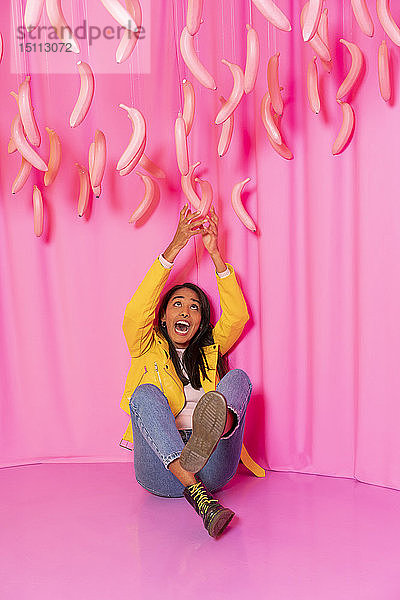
x: 182, y: 327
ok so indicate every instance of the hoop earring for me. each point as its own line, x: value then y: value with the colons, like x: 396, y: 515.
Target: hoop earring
x: 163, y: 324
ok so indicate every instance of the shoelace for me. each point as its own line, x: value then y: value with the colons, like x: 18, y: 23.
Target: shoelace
x: 199, y: 494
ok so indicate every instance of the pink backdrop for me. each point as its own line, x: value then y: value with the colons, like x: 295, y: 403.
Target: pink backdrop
x: 320, y: 276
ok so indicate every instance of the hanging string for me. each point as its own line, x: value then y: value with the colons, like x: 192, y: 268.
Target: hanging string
x: 175, y: 22
x: 222, y: 29
x: 250, y: 13
x: 21, y: 58
x: 232, y: 31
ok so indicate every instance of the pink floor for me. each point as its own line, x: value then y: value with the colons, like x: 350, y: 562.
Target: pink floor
x: 88, y: 531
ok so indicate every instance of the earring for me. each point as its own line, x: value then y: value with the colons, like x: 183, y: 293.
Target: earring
x: 163, y: 324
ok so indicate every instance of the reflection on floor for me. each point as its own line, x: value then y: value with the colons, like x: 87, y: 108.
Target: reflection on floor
x: 90, y: 532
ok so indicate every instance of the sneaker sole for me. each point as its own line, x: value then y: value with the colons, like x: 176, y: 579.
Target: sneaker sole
x: 220, y: 522
x: 208, y: 422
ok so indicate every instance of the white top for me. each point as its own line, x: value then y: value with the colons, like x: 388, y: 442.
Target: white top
x: 184, y: 419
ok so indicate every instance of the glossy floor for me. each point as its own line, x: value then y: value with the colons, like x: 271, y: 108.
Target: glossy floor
x: 88, y: 531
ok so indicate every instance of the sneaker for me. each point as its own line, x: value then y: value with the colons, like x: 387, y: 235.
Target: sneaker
x: 215, y: 516
x: 208, y: 424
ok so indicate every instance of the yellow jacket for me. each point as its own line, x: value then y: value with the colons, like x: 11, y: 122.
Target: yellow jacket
x: 150, y: 360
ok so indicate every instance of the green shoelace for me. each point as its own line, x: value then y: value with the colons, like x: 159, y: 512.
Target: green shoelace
x: 199, y: 494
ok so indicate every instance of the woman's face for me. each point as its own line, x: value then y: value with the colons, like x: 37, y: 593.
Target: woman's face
x: 182, y: 316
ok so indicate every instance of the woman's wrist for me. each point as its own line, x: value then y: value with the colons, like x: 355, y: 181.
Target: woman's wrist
x: 171, y: 252
x: 220, y: 265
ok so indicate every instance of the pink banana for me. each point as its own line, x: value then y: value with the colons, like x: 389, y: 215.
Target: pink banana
x: 181, y: 145
x: 252, y: 59
x: 193, y: 16
x: 99, y: 159
x: 317, y: 43
x: 226, y: 132
x: 84, y: 189
x: 38, y: 216
x: 236, y: 94
x: 189, y: 103
x: 23, y: 147
x: 322, y: 35
x: 187, y: 183
x: 273, y: 14
x: 145, y: 204
x: 54, y: 157
x: 135, y: 160
x: 22, y: 176
x: 129, y: 39
x: 312, y: 86
x: 387, y: 21
x: 33, y: 12
x: 60, y: 25
x: 312, y: 19
x: 357, y: 60
x: 384, y: 72
x: 96, y: 190
x: 268, y: 119
x: 137, y: 141
x: 273, y: 84
x: 362, y: 16
x: 238, y: 205
x: 151, y: 167
x: 346, y: 128
x: 192, y: 61
x: 120, y: 14
x: 85, y: 97
x: 206, y: 197
x: 26, y: 112
x: 281, y: 148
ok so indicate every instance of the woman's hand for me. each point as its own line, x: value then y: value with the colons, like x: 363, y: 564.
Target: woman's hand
x: 210, y: 234
x: 189, y: 225
x: 210, y: 241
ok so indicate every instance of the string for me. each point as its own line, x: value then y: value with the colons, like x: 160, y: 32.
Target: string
x: 233, y: 30
x: 175, y: 21
x: 250, y: 13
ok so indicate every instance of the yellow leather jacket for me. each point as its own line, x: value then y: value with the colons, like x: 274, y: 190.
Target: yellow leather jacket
x: 150, y: 360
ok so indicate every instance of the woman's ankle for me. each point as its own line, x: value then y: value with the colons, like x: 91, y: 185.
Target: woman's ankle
x: 185, y: 477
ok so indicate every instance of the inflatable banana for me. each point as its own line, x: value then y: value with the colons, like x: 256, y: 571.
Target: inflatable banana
x: 312, y: 86
x: 137, y: 142
x: 273, y: 83
x: 22, y: 176
x: 362, y: 16
x: 387, y: 21
x: 238, y: 205
x: 193, y: 15
x: 33, y: 12
x: 252, y: 59
x: 147, y: 199
x: 384, y: 72
x: 189, y: 103
x: 273, y: 14
x: 37, y: 211
x: 85, y: 97
x: 236, y: 94
x: 193, y: 62
x: 357, y: 60
x: 60, y: 25
x: 226, y: 132
x: 129, y: 38
x: 181, y: 145
x: 120, y: 14
x: 346, y: 129
x: 54, y: 157
x: 84, y: 189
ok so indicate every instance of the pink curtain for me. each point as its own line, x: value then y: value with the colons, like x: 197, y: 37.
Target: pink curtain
x: 320, y: 276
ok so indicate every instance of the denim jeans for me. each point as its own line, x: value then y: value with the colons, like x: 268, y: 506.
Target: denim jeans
x: 158, y: 441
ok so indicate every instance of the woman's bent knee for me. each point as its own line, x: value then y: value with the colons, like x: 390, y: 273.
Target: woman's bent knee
x: 142, y: 394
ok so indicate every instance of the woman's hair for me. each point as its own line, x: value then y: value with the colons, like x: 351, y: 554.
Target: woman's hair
x: 194, y: 359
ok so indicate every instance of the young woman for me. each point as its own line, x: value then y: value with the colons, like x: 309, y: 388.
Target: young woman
x: 187, y: 409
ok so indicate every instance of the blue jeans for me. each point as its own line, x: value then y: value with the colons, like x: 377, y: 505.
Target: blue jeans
x: 158, y: 441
